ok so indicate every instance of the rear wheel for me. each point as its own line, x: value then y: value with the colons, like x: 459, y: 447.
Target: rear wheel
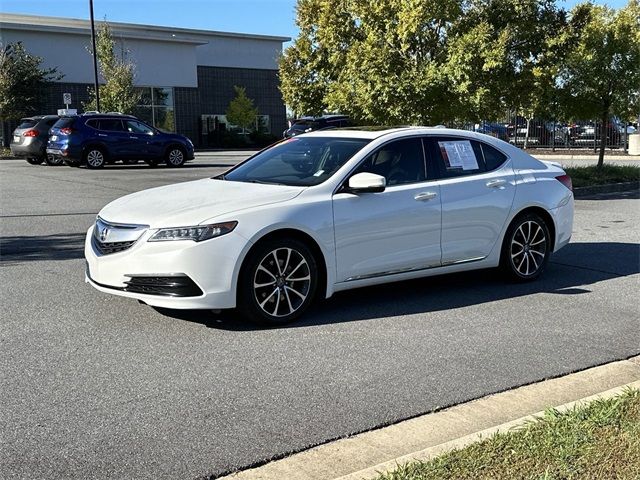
x: 35, y: 161
x: 175, y: 157
x: 526, y: 248
x: 94, y: 157
x: 278, y: 282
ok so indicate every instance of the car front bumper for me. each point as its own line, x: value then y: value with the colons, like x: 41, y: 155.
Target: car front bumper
x: 212, y: 266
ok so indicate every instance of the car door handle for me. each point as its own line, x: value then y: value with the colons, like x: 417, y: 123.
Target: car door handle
x: 135, y: 138
x: 496, y: 183
x: 102, y: 135
x: 424, y: 196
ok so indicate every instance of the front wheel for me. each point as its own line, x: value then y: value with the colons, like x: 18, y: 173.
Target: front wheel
x: 175, y: 157
x: 526, y: 248
x: 278, y: 282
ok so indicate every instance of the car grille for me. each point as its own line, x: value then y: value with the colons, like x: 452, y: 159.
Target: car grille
x: 111, y: 247
x: 111, y: 237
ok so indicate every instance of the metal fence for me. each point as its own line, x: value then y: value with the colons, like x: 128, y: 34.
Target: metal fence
x: 557, y: 135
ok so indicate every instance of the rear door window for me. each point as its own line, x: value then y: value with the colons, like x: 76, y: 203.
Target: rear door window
x: 457, y: 156
x: 111, y: 125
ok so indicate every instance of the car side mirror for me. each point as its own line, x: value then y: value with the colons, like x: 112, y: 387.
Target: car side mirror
x: 366, y: 182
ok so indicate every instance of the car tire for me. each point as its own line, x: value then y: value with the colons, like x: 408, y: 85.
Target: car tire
x: 526, y: 248
x: 53, y: 161
x: 278, y: 282
x: 94, y: 157
x: 175, y: 156
x: 35, y: 161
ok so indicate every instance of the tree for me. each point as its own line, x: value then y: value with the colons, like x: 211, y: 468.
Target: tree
x: 378, y: 61
x: 118, y: 94
x: 601, y: 75
x: 241, y: 111
x: 22, y: 81
x: 505, y: 55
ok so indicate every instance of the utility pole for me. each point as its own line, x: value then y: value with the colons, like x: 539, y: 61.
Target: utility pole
x: 95, y: 56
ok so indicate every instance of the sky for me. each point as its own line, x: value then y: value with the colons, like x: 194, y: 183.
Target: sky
x: 269, y: 17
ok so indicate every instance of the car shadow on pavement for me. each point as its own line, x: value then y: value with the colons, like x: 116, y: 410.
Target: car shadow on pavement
x: 570, y: 272
x: 626, y: 195
x: 62, y: 246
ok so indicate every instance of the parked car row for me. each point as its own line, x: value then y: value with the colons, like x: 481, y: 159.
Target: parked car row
x: 311, y: 124
x: 96, y: 139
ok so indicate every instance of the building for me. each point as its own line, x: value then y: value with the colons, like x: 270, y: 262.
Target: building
x: 186, y: 76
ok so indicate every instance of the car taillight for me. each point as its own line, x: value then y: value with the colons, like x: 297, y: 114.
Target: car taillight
x: 66, y: 131
x: 30, y: 133
x: 566, y: 181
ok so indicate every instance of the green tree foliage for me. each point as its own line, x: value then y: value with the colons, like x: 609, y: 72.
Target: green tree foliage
x: 241, y: 111
x: 22, y: 81
x: 601, y: 74
x: 504, y: 55
x: 118, y: 93
x: 379, y: 61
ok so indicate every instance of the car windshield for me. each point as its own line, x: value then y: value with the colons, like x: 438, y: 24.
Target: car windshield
x: 297, y: 161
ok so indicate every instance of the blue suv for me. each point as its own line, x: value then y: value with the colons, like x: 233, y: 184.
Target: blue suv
x: 95, y: 139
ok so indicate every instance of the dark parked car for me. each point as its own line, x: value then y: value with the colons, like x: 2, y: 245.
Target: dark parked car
x: 491, y: 128
x: 29, y: 140
x: 309, y: 124
x: 95, y: 139
x: 540, y: 133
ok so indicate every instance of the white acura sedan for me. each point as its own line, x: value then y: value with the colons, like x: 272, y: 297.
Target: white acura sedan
x: 329, y: 211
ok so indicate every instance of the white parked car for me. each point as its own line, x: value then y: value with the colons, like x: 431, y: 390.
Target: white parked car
x: 329, y: 211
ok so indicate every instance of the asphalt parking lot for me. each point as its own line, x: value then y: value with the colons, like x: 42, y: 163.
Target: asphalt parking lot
x: 93, y: 385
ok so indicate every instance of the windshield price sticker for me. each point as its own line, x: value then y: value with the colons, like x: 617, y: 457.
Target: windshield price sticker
x: 458, y: 154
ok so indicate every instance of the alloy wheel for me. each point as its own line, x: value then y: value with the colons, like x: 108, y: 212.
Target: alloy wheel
x: 282, y: 282
x: 528, y: 248
x: 95, y: 159
x: 176, y: 157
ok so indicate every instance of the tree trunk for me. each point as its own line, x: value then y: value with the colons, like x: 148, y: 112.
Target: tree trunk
x: 526, y: 135
x: 603, y: 137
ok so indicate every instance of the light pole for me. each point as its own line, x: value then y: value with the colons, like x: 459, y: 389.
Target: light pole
x: 95, y: 56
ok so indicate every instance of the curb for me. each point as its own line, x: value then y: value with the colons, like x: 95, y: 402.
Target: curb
x: 462, y: 442
x: 366, y: 454
x: 580, y: 192
x: 578, y: 156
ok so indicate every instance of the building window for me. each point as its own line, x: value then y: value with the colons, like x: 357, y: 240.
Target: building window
x: 156, y: 107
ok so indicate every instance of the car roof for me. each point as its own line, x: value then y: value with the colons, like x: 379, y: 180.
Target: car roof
x: 377, y: 132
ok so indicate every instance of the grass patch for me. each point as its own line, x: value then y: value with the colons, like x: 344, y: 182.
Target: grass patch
x: 598, y: 441
x: 588, y: 176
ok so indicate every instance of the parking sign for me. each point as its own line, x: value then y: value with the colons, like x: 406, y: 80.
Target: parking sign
x: 66, y: 98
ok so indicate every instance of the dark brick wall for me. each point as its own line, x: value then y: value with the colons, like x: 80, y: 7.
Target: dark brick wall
x: 187, y: 112
x: 53, y: 97
x: 215, y: 85
x: 215, y: 91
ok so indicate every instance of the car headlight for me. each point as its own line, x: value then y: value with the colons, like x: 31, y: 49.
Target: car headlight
x: 197, y: 233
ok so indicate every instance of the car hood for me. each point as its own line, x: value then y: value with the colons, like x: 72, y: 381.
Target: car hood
x: 191, y: 203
